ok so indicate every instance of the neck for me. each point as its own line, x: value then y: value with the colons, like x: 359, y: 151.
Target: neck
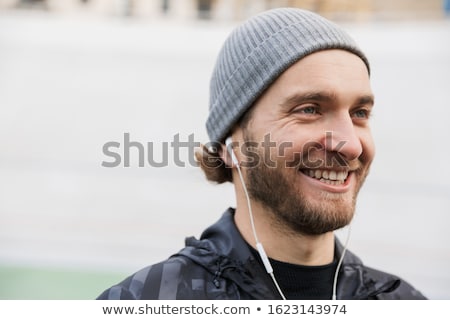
x: 280, y: 243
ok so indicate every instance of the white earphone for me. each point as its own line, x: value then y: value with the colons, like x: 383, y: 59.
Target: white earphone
x: 229, y: 145
x: 259, y: 246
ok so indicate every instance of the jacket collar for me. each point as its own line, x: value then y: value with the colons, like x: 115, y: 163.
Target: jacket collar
x: 223, y: 252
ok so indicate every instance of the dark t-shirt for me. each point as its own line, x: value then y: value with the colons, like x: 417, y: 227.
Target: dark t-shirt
x: 299, y: 282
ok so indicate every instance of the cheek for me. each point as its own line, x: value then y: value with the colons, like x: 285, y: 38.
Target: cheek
x: 291, y: 150
x: 368, y: 146
x: 292, y: 139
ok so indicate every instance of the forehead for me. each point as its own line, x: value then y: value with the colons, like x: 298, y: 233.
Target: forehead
x: 336, y: 69
x: 341, y: 74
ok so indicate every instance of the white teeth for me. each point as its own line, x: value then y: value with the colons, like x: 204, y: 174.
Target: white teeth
x: 341, y: 175
x: 332, y: 175
x: 328, y: 176
x: 332, y: 182
x: 318, y: 174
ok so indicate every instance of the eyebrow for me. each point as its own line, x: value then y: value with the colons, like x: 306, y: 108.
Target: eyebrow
x: 322, y: 96
x: 367, y: 100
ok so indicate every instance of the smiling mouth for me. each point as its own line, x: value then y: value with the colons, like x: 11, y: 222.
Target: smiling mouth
x: 331, y: 177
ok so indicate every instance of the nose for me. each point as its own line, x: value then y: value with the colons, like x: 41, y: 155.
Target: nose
x: 343, y: 138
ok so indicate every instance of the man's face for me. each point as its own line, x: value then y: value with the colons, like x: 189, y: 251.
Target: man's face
x: 321, y: 147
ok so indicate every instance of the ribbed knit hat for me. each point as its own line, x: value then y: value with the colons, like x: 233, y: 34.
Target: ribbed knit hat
x: 257, y: 52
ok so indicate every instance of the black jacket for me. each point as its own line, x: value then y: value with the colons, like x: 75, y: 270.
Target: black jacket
x: 221, y: 266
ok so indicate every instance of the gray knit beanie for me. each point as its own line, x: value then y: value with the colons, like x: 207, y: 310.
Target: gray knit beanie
x: 257, y: 52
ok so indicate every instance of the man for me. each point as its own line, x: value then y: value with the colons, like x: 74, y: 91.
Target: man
x: 290, y: 106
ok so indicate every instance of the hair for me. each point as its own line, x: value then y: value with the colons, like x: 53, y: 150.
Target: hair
x: 212, y: 164
x: 209, y: 157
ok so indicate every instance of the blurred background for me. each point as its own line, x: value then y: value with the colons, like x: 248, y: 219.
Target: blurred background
x: 75, y: 75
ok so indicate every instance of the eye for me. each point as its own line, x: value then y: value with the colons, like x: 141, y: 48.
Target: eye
x: 307, y: 110
x: 361, y: 114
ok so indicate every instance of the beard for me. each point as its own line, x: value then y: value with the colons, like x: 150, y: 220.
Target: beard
x: 290, y: 209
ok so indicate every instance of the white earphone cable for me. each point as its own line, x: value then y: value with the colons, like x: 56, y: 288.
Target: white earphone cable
x: 334, y: 296
x: 259, y: 245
